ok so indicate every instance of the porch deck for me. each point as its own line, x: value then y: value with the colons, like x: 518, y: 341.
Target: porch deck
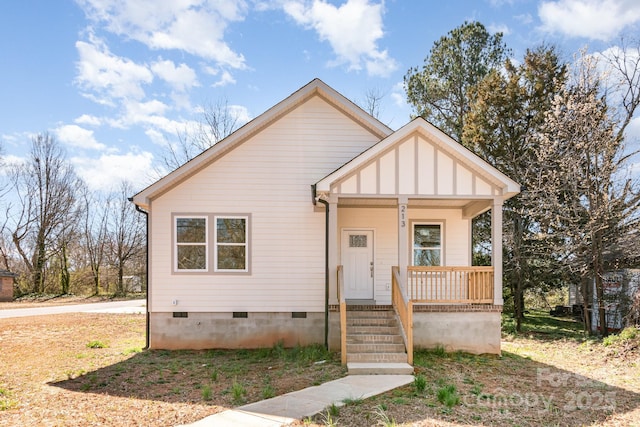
x: 459, y: 285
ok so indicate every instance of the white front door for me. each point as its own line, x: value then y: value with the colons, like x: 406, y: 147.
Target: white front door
x: 357, y: 262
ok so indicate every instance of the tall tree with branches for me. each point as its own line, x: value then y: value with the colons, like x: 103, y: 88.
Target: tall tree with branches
x: 501, y: 126
x: 217, y: 121
x: 443, y: 89
x: 125, y: 233
x: 46, y: 188
x: 95, y: 220
x: 581, y: 188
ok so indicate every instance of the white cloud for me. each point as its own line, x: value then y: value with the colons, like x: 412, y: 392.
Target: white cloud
x: 196, y: 27
x: 79, y: 137
x: 399, y: 95
x: 352, y: 29
x: 108, y: 76
x: 181, y: 78
x: 499, y: 28
x: 105, y: 172
x: 225, y: 79
x: 241, y: 113
x: 592, y: 19
x: 87, y: 119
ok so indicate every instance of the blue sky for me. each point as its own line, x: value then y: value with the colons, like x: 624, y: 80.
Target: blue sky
x: 114, y: 80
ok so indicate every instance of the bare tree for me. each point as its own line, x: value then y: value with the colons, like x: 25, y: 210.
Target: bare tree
x: 217, y: 121
x: 126, y: 234
x: 582, y: 191
x: 372, y: 101
x: 624, y: 63
x: 95, y: 218
x: 46, y: 188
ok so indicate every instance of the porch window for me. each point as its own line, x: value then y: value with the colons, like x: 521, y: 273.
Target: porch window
x: 191, y: 243
x: 427, y: 244
x: 231, y: 244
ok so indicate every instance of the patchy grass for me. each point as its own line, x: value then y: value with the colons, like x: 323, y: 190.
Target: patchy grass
x: 550, y: 374
x: 50, y: 376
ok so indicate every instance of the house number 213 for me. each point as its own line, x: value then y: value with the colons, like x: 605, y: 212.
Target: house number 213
x: 403, y: 216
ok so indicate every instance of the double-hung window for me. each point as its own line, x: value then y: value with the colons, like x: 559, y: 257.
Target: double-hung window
x: 209, y: 243
x: 427, y: 244
x: 191, y: 252
x: 231, y: 244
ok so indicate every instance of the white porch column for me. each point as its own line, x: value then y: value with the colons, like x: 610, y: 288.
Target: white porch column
x: 333, y: 242
x: 496, y: 250
x: 403, y: 238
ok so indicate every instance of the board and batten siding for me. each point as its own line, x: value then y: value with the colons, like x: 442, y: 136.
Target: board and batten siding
x: 384, y: 222
x: 415, y: 166
x: 269, y: 177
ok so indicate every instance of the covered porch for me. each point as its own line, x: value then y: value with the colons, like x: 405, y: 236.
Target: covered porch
x: 399, y: 234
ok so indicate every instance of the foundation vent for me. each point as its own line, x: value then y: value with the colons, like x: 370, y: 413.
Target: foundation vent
x: 180, y: 314
x: 240, y: 315
x: 299, y: 315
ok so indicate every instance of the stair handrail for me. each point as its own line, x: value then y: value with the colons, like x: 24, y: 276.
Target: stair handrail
x: 403, y: 306
x: 343, y: 316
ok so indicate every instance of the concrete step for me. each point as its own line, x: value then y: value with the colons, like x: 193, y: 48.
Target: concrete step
x: 363, y: 368
x: 372, y: 313
x: 375, y: 348
x: 377, y: 358
x: 371, y: 321
x: 374, y: 338
x: 375, y: 330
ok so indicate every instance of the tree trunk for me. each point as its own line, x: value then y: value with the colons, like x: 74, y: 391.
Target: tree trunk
x: 65, y: 276
x: 598, y: 270
x: 586, y: 317
x: 96, y: 282
x: 518, y: 276
x: 121, y: 289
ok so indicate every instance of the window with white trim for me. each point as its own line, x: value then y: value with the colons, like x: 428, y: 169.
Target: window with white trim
x: 427, y: 244
x: 191, y: 252
x: 231, y: 244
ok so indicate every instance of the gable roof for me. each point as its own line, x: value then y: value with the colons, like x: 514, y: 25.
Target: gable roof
x: 314, y: 88
x: 355, y: 173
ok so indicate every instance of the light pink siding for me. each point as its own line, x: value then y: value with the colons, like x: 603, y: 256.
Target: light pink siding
x: 384, y: 222
x: 269, y: 177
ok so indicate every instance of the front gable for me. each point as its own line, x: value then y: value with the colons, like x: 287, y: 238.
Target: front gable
x: 321, y: 124
x: 418, y: 161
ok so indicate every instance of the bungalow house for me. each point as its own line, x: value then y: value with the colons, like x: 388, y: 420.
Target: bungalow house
x: 316, y: 223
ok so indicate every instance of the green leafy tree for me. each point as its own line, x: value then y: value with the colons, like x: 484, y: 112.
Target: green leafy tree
x: 443, y: 89
x: 503, y: 120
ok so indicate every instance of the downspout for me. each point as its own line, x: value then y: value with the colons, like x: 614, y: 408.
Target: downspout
x: 326, y: 264
x: 146, y: 277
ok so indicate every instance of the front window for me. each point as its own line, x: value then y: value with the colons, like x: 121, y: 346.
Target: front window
x: 231, y: 244
x: 427, y: 244
x: 191, y: 243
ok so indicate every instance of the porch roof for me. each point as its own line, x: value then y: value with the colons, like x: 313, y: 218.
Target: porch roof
x: 422, y: 164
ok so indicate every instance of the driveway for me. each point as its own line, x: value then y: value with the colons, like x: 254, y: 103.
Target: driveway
x: 132, y: 307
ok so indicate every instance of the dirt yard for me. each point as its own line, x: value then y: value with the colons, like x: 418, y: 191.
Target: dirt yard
x: 90, y: 370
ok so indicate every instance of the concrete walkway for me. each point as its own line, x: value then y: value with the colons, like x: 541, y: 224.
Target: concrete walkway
x: 128, y: 306
x: 285, y: 409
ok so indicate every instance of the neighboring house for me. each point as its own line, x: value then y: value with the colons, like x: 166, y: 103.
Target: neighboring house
x: 7, y: 280
x: 621, y: 289
x: 315, y: 207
